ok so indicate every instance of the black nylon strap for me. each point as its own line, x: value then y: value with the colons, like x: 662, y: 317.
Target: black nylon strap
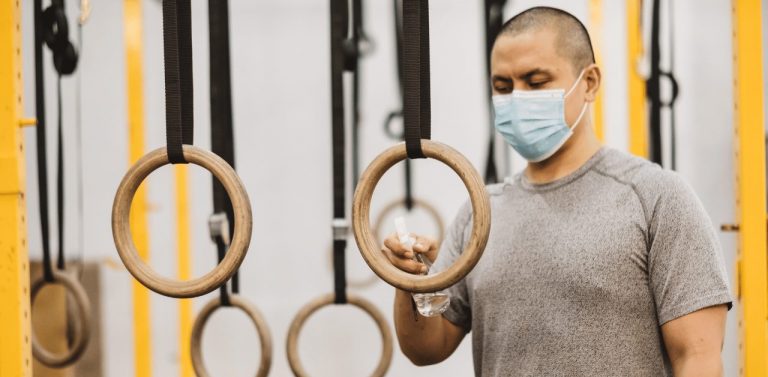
x: 398, y: 27
x: 42, y: 164
x: 408, y: 185
x: 494, y: 20
x: 339, y: 30
x: 177, y: 52
x: 221, y: 249
x: 675, y: 88
x: 355, y: 39
x: 60, y: 179
x: 654, y: 86
x: 416, y: 81
x: 222, y: 130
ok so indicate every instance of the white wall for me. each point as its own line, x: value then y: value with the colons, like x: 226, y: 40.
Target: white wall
x: 280, y: 65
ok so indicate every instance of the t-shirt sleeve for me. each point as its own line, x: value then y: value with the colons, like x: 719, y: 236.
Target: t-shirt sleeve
x: 685, y: 262
x: 458, y: 312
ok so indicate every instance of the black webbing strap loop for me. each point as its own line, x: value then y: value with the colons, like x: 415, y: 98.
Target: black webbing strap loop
x: 653, y: 85
x: 494, y: 20
x: 177, y: 52
x: 670, y: 104
x: 51, y: 29
x: 416, y: 82
x: 221, y: 249
x: 60, y: 263
x: 398, y: 113
x: 222, y: 130
x: 356, y: 37
x: 398, y: 18
x: 339, y: 30
x: 42, y: 164
x: 408, y: 185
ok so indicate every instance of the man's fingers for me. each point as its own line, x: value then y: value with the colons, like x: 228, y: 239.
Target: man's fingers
x: 394, y: 245
x: 405, y: 264
x: 424, y: 244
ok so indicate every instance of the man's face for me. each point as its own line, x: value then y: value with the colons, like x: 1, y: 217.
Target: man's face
x: 530, y: 61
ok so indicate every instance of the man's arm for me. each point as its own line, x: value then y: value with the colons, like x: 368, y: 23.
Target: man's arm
x: 694, y: 342
x: 423, y: 340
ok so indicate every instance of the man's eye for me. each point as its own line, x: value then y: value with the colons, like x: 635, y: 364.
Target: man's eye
x: 535, y: 85
x: 502, y: 89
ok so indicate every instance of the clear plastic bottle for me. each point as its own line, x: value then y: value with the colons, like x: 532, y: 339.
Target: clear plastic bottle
x: 428, y: 304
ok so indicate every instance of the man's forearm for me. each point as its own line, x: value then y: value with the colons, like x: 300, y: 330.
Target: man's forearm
x: 698, y: 365
x: 421, y: 338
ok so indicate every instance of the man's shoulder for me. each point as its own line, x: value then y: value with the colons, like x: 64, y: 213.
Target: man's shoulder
x: 633, y: 170
x: 649, y: 180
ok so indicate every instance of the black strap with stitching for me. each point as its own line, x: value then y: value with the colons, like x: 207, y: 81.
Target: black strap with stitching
x: 416, y: 81
x: 177, y: 53
x: 222, y: 129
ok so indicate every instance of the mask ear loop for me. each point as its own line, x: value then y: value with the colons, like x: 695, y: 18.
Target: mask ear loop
x: 581, y: 115
x: 583, y: 108
x: 581, y: 75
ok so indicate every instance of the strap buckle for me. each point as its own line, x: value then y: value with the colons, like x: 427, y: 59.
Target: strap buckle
x: 218, y: 226
x: 340, y: 229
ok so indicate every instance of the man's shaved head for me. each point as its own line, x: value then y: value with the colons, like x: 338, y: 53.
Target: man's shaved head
x: 573, y: 42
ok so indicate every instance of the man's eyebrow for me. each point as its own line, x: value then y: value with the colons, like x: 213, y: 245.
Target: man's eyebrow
x: 536, y: 71
x: 525, y: 76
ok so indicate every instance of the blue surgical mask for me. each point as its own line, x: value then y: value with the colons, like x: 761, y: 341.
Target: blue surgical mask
x: 533, y: 121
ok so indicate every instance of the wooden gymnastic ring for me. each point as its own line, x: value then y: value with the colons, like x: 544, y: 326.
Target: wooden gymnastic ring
x: 371, y: 250
x: 292, y: 345
x: 121, y: 231
x: 82, y: 337
x: 253, y: 314
x: 378, y: 225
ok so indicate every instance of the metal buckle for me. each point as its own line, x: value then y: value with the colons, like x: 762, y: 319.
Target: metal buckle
x: 340, y: 229
x: 218, y: 226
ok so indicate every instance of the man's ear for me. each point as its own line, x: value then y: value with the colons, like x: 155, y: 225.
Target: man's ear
x: 593, y: 78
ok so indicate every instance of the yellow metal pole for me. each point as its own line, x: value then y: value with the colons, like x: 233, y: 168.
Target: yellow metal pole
x: 15, y: 325
x: 749, y: 120
x: 638, y: 131
x: 596, y: 30
x: 142, y: 346
x: 184, y: 267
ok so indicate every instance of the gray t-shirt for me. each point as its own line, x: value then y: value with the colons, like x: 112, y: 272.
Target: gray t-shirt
x: 580, y: 273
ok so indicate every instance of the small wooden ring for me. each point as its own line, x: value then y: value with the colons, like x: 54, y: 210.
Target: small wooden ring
x: 378, y: 225
x: 82, y: 336
x: 371, y: 251
x: 121, y: 231
x: 254, y: 315
x: 292, y: 345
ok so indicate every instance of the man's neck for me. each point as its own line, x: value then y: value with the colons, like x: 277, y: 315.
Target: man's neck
x: 575, y: 153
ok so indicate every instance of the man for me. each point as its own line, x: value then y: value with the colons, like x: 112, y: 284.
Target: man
x: 598, y: 263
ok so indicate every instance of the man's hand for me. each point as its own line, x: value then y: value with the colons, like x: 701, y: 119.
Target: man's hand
x: 424, y: 340
x: 694, y: 342
x: 402, y: 256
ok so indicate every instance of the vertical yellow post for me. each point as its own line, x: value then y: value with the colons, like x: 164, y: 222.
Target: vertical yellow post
x: 638, y: 131
x: 749, y: 120
x: 15, y: 327
x: 596, y: 30
x: 142, y: 346
x: 184, y: 268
